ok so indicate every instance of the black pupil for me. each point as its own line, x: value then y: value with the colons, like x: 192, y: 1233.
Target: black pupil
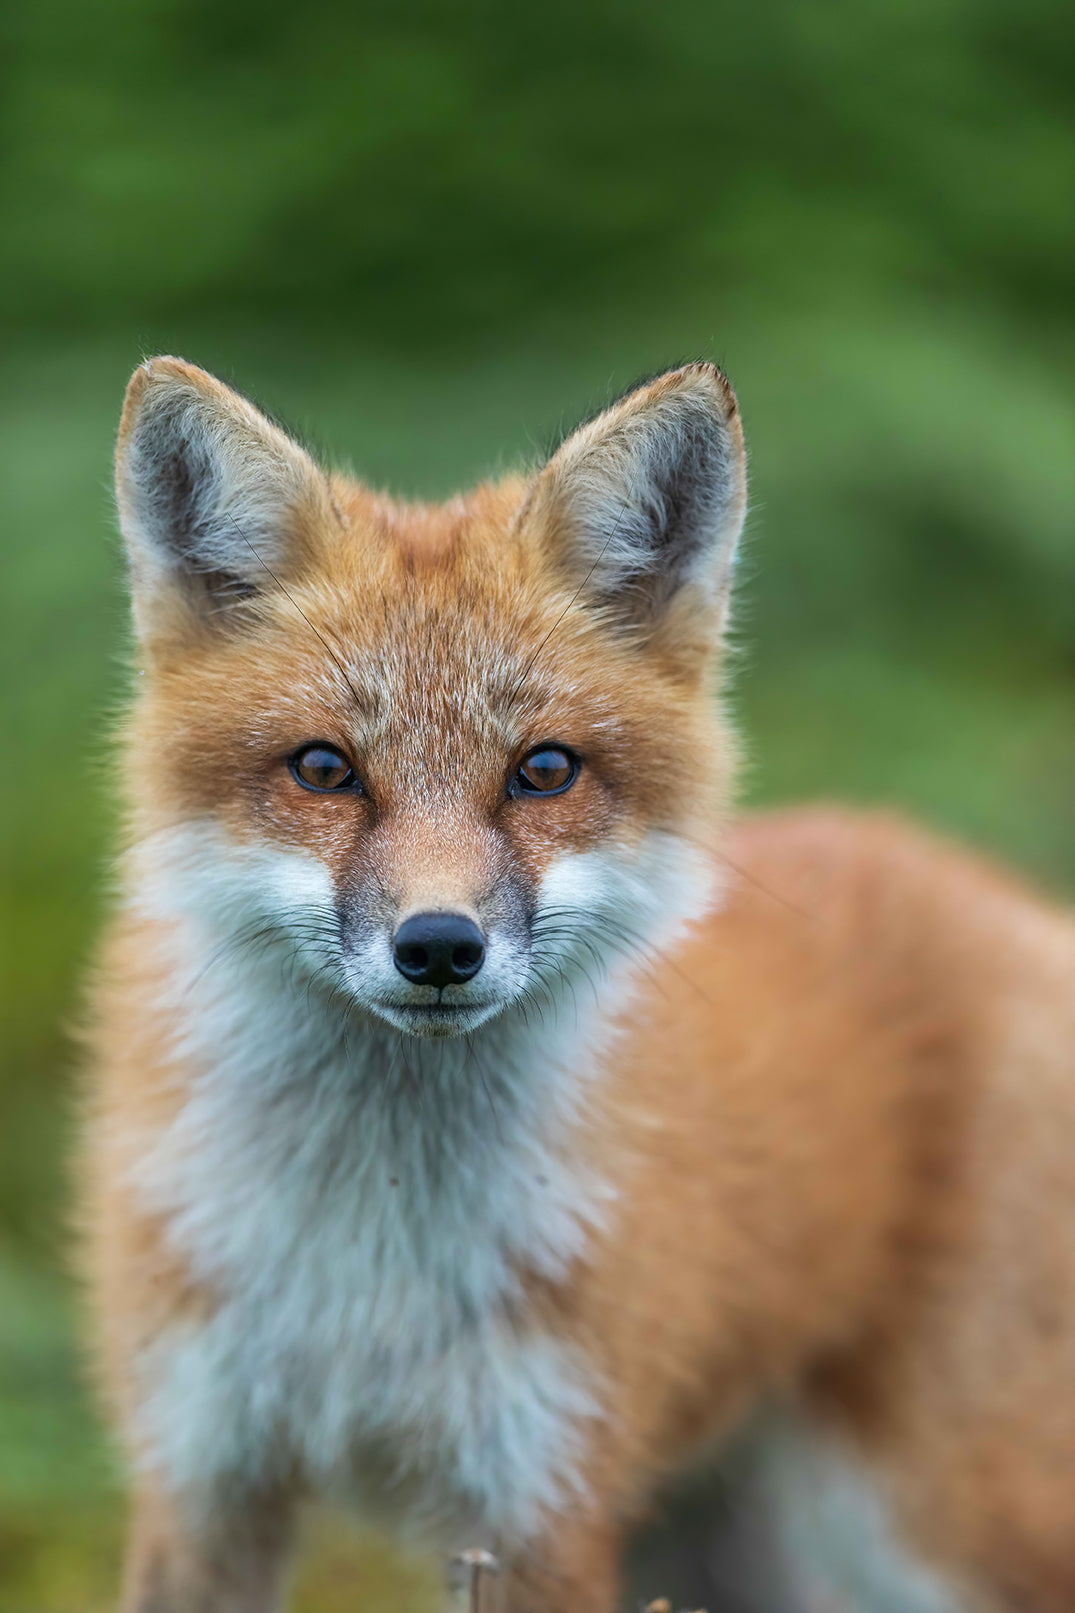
x: 323, y: 768
x: 546, y: 769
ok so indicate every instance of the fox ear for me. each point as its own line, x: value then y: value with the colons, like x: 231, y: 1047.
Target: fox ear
x: 649, y: 498
x: 213, y: 498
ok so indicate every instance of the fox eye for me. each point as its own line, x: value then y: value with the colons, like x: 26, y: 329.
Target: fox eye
x: 545, y: 771
x: 320, y: 767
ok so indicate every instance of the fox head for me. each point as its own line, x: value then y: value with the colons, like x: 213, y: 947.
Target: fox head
x: 439, y: 760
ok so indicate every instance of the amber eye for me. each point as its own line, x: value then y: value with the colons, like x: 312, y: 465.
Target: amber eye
x: 320, y: 767
x: 545, y: 771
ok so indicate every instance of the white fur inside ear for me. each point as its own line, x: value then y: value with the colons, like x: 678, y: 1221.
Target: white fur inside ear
x: 653, y: 492
x: 208, y: 488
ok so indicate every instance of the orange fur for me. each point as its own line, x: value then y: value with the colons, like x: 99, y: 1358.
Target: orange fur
x: 836, y: 1125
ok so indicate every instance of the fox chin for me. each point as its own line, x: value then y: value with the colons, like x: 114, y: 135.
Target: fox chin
x: 483, y: 1125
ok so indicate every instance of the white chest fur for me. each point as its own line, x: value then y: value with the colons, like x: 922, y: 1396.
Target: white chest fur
x: 363, y: 1206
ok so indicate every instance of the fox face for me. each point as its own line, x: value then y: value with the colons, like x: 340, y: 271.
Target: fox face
x: 439, y: 762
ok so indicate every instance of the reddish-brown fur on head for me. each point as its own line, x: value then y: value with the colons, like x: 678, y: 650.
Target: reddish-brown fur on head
x: 432, y: 647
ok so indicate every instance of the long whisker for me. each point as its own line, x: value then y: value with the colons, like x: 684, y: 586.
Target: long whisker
x: 775, y: 896
x: 317, y: 926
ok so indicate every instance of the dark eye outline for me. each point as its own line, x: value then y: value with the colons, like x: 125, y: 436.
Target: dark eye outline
x: 349, y: 784
x: 518, y: 788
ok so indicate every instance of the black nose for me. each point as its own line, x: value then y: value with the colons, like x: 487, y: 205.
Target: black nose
x: 438, y: 949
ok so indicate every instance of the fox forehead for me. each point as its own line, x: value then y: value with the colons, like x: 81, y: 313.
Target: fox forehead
x: 446, y: 632
x: 434, y: 641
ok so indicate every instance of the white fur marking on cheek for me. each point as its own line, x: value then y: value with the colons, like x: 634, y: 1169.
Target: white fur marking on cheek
x: 199, y: 871
x: 623, y: 904
x: 240, y: 897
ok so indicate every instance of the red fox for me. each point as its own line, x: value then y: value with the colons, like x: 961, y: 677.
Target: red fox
x: 484, y: 1126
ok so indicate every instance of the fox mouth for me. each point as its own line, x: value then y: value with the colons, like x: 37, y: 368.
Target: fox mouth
x: 437, y: 1018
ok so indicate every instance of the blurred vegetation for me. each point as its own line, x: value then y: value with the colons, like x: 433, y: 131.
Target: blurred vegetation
x: 432, y: 234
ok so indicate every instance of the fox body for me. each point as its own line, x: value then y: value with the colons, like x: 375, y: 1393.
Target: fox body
x: 482, y: 1128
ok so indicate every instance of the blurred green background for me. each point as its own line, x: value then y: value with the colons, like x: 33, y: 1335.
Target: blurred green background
x: 429, y: 235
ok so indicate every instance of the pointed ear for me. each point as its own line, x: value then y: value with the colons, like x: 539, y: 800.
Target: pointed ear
x: 212, y: 496
x: 648, y: 499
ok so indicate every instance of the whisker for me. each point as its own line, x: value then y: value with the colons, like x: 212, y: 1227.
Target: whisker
x: 751, y: 879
